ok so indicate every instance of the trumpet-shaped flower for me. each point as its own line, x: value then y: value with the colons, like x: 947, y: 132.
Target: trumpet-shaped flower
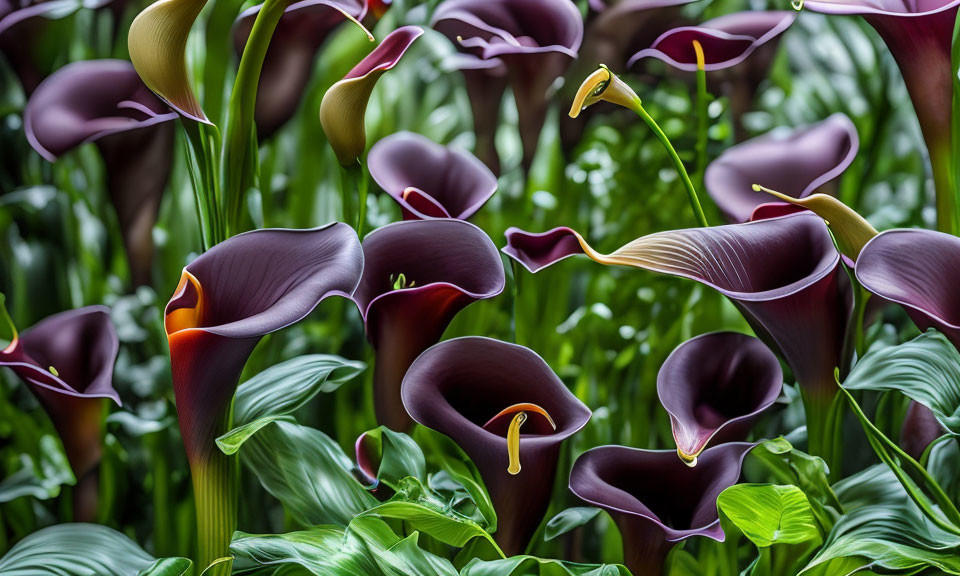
x: 714, y: 386
x: 429, y: 180
x: 417, y: 275
x: 654, y: 498
x: 509, y: 412
x: 157, y: 42
x: 486, y: 81
x: 535, y: 39
x: 344, y: 105
x: 104, y: 101
x: 795, y: 163
x: 302, y: 29
x: 67, y: 360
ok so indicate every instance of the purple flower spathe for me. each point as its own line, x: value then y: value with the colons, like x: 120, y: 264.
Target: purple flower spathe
x: 654, y: 498
x: 486, y: 81
x: 458, y: 386
x: 287, y: 66
x: 429, y: 180
x: 714, y: 386
x: 446, y: 265
x: 796, y: 163
x: 104, y: 101
x: 535, y: 39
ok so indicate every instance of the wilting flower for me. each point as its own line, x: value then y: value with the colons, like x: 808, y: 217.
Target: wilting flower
x: 920, y: 428
x: 104, y: 101
x: 714, y: 386
x: 302, y: 29
x: 228, y: 298
x: 654, y: 498
x: 344, y: 105
x: 796, y: 163
x: 783, y: 273
x: 509, y: 412
x: 919, y: 35
x: 157, y: 42
x: 917, y: 269
x: 535, y: 39
x: 67, y: 360
x: 429, y: 180
x: 486, y: 81
x: 417, y: 275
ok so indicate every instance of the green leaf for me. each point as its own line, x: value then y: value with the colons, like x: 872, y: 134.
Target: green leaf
x: 770, y: 514
x: 398, y: 456
x: 231, y: 442
x: 307, y: 472
x: 533, y: 566
x: 285, y: 387
x: 569, y: 519
x: 366, y: 548
x: 41, y: 480
x: 925, y: 369
x: 84, y: 550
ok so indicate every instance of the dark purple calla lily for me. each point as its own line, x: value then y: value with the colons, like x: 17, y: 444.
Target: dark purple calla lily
x: 918, y: 269
x: 302, y: 29
x: 67, y: 360
x: 919, y: 34
x: 714, y: 386
x: 796, y: 163
x: 469, y: 389
x: 726, y: 41
x: 486, y: 81
x: 417, y: 275
x: 429, y: 180
x: 654, y: 498
x: 104, y: 101
x: 920, y: 428
x: 228, y: 298
x: 535, y: 39
x: 783, y: 273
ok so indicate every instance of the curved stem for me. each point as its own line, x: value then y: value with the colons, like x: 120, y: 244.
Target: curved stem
x: 677, y: 163
x: 215, y: 482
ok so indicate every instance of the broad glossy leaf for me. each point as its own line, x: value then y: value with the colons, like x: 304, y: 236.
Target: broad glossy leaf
x: 307, y: 472
x: 394, y: 454
x: 569, y: 519
x: 925, y: 369
x: 42, y: 479
x: 533, y: 566
x: 770, y: 514
x: 84, y: 550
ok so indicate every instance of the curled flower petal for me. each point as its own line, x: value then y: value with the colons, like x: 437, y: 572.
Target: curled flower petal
x: 714, y: 386
x: 795, y: 163
x: 726, y: 41
x: 67, y: 360
x: 302, y: 29
x: 627, y: 27
x: 459, y: 385
x: 918, y: 269
x: 344, y: 105
x: 654, y: 498
x: 429, y: 180
x: 535, y: 39
x: 157, y: 41
x: 446, y: 265
x: 604, y: 86
x: 104, y: 101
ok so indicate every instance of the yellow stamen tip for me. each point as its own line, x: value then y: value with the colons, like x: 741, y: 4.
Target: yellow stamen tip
x: 757, y: 188
x: 53, y: 371
x: 513, y: 442
x: 688, y: 459
x: 701, y: 60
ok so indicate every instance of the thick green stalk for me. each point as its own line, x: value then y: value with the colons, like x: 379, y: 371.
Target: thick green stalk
x: 353, y: 193
x: 202, y: 139
x: 240, y: 146
x: 947, y: 203
x: 820, y: 415
x: 215, y: 480
x: 677, y: 163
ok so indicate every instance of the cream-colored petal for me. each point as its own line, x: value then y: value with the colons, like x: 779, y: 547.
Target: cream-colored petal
x: 342, y: 113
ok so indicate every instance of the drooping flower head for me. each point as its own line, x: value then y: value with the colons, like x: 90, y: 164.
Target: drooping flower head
x: 509, y: 412
x: 714, y: 386
x: 104, y: 101
x: 429, y: 180
x: 654, y: 498
x: 796, y: 163
x: 417, y: 275
x: 67, y: 360
x: 535, y: 39
x: 302, y: 29
x: 344, y: 105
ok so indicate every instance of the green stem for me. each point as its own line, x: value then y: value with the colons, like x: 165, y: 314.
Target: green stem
x: 702, y: 125
x: 820, y: 415
x: 215, y: 480
x: 947, y: 204
x: 677, y: 163
x: 202, y: 139
x: 353, y: 193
